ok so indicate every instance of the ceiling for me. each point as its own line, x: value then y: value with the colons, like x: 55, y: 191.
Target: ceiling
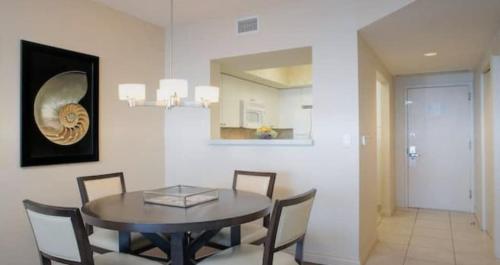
x: 458, y: 30
x: 157, y: 11
x: 281, y: 69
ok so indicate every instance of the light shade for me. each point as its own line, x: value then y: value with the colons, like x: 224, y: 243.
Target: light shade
x: 132, y: 91
x: 209, y: 94
x: 171, y: 87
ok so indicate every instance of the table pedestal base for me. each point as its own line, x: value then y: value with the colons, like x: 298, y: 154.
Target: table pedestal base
x: 180, y: 247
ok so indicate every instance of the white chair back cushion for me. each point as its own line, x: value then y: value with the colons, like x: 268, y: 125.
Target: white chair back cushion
x: 99, y: 188
x: 55, y: 235
x: 257, y: 184
x: 293, y: 222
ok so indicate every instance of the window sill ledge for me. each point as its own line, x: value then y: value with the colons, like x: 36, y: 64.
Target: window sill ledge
x: 282, y: 142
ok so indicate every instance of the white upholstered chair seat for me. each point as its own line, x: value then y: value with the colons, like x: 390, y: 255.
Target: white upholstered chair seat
x: 247, y: 254
x: 250, y: 233
x: 113, y: 258
x: 109, y: 240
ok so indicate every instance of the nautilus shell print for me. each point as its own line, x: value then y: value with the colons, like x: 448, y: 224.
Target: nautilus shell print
x: 58, y: 114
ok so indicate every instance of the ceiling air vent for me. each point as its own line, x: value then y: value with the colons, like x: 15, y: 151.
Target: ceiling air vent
x: 248, y: 25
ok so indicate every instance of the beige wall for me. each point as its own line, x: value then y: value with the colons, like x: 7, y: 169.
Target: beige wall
x: 369, y: 67
x: 488, y: 151
x: 131, y: 140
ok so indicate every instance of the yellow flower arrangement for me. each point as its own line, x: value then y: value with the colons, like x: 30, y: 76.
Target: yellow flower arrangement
x: 266, y: 132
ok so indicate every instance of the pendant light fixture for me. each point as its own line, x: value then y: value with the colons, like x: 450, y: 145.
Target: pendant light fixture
x: 172, y: 91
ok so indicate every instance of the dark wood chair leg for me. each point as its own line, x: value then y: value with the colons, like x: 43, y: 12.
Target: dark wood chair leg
x: 299, y: 251
x: 45, y: 261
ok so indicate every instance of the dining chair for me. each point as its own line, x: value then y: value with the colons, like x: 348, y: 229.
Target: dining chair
x: 61, y: 237
x: 104, y: 240
x: 288, y: 226
x: 254, y: 232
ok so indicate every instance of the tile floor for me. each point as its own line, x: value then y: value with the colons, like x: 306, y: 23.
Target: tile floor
x: 430, y: 237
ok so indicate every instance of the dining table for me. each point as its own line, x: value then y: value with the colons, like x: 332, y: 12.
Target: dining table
x: 171, y: 229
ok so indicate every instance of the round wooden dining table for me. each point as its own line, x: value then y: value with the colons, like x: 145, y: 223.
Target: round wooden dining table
x: 128, y: 212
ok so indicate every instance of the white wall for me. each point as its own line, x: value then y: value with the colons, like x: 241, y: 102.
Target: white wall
x: 330, y: 27
x: 131, y: 140
x: 402, y: 83
x: 369, y: 69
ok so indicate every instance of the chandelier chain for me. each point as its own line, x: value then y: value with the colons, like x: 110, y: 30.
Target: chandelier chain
x: 171, y: 39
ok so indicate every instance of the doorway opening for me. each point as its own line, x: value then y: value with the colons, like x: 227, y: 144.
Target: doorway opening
x: 432, y: 54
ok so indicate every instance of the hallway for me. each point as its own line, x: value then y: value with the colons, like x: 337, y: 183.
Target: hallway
x: 430, y: 237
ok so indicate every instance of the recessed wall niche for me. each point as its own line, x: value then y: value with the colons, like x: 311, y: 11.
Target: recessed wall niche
x: 263, y: 96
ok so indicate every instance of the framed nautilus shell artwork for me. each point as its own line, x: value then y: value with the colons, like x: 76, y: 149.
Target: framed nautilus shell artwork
x: 59, y: 105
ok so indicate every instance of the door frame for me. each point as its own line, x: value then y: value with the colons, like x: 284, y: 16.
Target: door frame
x: 403, y: 189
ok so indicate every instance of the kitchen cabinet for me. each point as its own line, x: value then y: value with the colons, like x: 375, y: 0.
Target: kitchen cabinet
x: 229, y: 104
x: 235, y: 90
x: 292, y: 113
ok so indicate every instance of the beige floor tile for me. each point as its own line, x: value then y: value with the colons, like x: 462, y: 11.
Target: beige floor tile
x: 470, y: 259
x: 404, y: 215
x: 431, y: 232
x: 399, y: 221
x: 443, y: 220
x: 435, y: 212
x: 464, y: 226
x: 388, y: 249
x: 395, y: 230
x: 411, y: 261
x: 463, y: 218
x: 433, y: 224
x: 432, y: 237
x: 434, y: 216
x: 431, y: 254
x: 476, y: 236
x: 473, y: 247
x: 394, y: 239
x: 385, y: 260
x: 430, y: 242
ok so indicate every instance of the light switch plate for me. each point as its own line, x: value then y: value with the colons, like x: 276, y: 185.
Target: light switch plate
x: 364, y: 140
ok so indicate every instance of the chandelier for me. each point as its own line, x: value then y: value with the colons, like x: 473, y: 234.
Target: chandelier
x: 172, y: 92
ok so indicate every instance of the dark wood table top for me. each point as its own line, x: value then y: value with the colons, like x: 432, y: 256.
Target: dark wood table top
x: 128, y: 212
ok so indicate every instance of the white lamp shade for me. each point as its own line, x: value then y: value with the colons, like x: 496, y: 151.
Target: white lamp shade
x: 171, y: 87
x: 207, y: 94
x: 132, y: 91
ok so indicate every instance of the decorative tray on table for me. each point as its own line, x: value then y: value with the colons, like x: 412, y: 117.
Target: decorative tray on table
x: 180, y: 196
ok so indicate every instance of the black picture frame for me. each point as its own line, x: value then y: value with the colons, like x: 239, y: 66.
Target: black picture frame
x: 39, y: 63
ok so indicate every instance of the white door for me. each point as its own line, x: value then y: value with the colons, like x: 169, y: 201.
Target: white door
x: 439, y: 148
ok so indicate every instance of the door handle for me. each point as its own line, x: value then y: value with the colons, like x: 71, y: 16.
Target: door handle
x: 413, y: 155
x: 412, y: 152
